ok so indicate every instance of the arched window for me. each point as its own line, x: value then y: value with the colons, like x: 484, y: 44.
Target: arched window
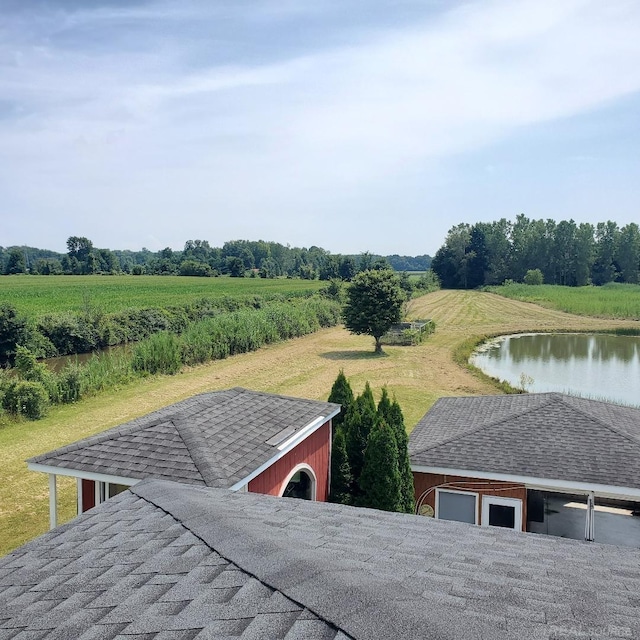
x: 301, y: 483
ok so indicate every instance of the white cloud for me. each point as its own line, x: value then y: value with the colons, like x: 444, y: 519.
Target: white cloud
x: 289, y: 144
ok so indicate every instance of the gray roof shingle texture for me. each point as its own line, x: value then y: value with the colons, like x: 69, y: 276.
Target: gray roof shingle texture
x: 214, y: 439
x: 547, y: 435
x: 167, y: 561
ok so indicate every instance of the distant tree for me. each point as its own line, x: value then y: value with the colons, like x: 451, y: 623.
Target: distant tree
x: 340, y: 472
x: 342, y: 394
x: 606, y: 240
x: 427, y: 282
x: 268, y: 268
x: 380, y: 480
x: 47, y: 267
x: 347, y: 269
x: 15, y: 262
x: 405, y: 284
x: 533, y: 276
x: 628, y: 253
x: 366, y: 262
x: 330, y: 268
x: 374, y: 303
x: 235, y: 267
x: 195, y: 268
x: 80, y: 254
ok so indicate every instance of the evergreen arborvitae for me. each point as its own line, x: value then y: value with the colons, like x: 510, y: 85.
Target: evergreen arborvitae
x: 380, y: 480
x: 356, y: 440
x: 407, y: 490
x: 366, y: 397
x: 384, y: 407
x: 341, y: 394
x: 340, y: 472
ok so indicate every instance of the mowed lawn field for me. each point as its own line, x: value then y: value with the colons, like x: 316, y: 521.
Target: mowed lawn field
x: 304, y: 367
x: 37, y: 295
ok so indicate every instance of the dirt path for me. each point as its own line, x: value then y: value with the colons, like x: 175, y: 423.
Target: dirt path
x: 305, y: 367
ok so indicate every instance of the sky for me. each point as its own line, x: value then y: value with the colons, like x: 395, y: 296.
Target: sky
x: 353, y: 125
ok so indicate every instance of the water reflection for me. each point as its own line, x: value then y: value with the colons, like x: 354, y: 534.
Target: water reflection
x: 593, y: 365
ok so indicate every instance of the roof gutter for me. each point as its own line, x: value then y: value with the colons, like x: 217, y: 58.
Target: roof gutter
x: 85, y: 475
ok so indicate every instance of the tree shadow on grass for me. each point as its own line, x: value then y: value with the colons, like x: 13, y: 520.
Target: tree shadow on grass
x: 353, y: 355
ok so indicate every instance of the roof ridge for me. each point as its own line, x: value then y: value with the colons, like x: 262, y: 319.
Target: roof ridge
x: 215, y: 548
x: 264, y: 554
x: 481, y: 427
x: 196, y: 445
x: 597, y: 419
x: 97, y: 438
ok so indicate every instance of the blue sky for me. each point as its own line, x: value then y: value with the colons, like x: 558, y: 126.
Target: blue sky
x: 351, y: 125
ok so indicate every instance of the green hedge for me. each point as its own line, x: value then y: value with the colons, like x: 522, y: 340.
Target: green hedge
x: 33, y: 387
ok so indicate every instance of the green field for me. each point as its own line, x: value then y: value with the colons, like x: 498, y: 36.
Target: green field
x: 609, y: 301
x: 36, y: 295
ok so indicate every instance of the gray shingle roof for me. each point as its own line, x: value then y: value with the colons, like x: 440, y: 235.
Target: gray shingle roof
x: 214, y: 439
x: 547, y: 435
x: 168, y: 561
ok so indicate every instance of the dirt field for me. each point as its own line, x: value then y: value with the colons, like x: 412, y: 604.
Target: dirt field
x: 305, y: 367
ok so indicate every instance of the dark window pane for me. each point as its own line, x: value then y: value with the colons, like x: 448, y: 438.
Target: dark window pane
x: 502, y: 516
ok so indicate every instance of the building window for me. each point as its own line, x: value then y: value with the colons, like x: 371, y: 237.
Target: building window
x: 502, y: 512
x: 301, y: 484
x: 115, y: 489
x: 461, y: 506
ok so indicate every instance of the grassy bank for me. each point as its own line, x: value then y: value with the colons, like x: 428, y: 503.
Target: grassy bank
x: 613, y: 300
x: 303, y: 367
x: 34, y: 296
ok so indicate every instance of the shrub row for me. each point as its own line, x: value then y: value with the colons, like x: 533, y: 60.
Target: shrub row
x: 31, y: 386
x: 232, y: 333
x: 68, y: 333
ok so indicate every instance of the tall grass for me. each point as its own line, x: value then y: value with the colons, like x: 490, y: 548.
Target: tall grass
x: 614, y: 300
x: 227, y: 333
x: 232, y: 333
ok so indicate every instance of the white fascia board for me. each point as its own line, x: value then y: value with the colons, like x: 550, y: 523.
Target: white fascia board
x: 287, y: 446
x: 84, y: 475
x: 544, y: 484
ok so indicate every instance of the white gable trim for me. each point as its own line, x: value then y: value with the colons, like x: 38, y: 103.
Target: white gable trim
x: 85, y: 475
x: 544, y: 484
x: 288, y: 445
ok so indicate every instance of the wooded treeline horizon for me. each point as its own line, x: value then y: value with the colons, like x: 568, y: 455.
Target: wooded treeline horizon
x: 198, y: 258
x: 536, y: 251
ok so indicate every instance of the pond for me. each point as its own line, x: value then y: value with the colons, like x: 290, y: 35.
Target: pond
x: 598, y: 366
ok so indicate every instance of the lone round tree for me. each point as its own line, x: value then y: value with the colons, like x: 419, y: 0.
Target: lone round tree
x: 374, y: 303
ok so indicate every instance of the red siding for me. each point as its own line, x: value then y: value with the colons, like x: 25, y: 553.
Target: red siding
x: 424, y: 481
x: 314, y: 451
x: 88, y: 494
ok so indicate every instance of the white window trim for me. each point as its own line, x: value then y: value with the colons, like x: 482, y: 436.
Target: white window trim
x: 516, y: 503
x: 301, y: 467
x: 466, y: 493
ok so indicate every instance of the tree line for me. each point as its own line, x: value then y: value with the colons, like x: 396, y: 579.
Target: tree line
x: 564, y: 253
x: 238, y: 258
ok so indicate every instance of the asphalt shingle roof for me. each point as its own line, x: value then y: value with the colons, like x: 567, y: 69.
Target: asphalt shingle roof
x: 547, y: 435
x: 214, y: 439
x: 171, y: 561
